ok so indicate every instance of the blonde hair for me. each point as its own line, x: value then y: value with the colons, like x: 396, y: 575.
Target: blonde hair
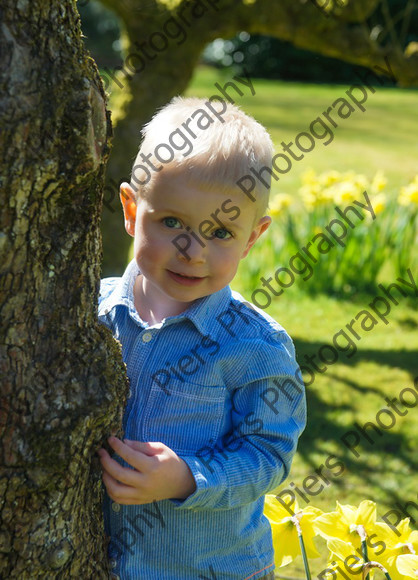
x: 216, y: 148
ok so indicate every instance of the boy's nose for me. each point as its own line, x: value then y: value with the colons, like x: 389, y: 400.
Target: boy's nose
x: 194, y: 252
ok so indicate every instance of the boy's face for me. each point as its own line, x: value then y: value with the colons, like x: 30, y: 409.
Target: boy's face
x: 182, y: 250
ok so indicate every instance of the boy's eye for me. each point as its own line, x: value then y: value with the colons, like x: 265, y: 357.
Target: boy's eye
x: 222, y: 234
x: 171, y: 222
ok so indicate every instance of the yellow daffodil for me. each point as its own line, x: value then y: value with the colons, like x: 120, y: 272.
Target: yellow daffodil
x: 313, y: 195
x: 310, y: 189
x: 280, y: 202
x: 343, y: 550
x: 345, y: 192
x: 379, y: 182
x: 309, y: 177
x: 329, y: 178
x: 347, y: 522
x: 343, y: 559
x: 409, y: 193
x: 361, y: 182
x: 284, y: 530
x: 310, y: 202
x: 379, y: 203
x: 309, y: 195
x: 326, y: 195
x: 408, y: 565
x: 405, y: 541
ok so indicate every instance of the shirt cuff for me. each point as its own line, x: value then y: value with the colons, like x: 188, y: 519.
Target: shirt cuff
x: 210, y: 484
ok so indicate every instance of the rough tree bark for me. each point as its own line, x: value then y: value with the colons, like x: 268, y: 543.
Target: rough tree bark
x: 62, y: 384
x: 330, y: 27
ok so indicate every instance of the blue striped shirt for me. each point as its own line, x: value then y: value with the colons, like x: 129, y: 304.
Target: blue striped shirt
x: 218, y: 384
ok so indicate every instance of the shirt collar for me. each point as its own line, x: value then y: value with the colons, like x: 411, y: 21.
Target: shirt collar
x: 203, y: 313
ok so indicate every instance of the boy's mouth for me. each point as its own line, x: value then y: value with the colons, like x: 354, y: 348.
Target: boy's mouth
x: 184, y: 278
x: 186, y: 275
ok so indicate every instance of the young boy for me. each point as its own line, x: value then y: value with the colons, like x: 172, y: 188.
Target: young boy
x: 216, y: 398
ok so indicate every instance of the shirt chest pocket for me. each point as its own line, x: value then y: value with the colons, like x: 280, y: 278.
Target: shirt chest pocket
x: 186, y: 417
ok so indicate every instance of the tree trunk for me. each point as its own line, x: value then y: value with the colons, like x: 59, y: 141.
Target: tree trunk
x: 62, y: 383
x: 339, y: 31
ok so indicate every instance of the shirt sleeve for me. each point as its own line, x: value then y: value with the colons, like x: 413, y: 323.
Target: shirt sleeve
x: 268, y: 415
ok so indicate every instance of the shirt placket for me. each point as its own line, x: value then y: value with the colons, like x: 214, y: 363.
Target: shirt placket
x: 144, y: 342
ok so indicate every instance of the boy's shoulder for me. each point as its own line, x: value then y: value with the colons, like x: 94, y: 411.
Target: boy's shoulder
x: 256, y: 343
x: 244, y: 326
x: 257, y: 314
x: 251, y: 319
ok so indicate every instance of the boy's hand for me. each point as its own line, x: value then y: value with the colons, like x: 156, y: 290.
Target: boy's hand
x: 159, y: 473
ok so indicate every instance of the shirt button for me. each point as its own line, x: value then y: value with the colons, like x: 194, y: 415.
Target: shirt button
x: 113, y: 563
x: 115, y: 507
x: 146, y: 337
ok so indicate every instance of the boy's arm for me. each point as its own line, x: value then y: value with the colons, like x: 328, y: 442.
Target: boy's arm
x: 269, y: 414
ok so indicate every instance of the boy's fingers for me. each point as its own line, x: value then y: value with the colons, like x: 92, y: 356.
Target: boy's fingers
x: 138, y: 459
x: 123, y: 474
x: 123, y: 494
x: 147, y: 448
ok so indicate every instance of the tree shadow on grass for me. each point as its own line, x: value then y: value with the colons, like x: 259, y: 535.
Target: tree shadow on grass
x: 406, y: 360
x: 352, y: 445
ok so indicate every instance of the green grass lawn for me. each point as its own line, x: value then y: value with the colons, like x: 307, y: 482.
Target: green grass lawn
x: 386, y: 362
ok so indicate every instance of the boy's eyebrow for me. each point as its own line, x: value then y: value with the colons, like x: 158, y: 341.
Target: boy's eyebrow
x: 231, y: 224
x: 175, y: 212
x: 167, y: 210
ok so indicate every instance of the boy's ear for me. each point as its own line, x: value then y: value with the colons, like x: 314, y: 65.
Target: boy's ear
x: 259, y: 229
x: 128, y: 199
